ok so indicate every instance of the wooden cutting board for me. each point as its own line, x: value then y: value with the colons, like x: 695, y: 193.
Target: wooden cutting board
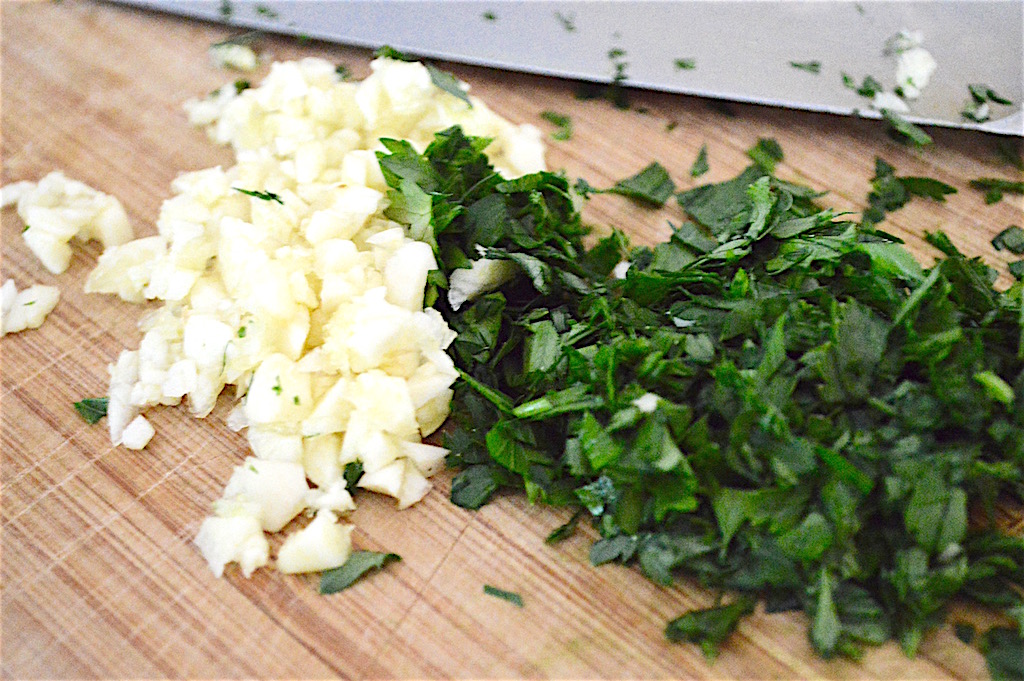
x: 99, y: 575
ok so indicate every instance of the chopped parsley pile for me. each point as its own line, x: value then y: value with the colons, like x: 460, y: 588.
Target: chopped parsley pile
x: 778, y: 402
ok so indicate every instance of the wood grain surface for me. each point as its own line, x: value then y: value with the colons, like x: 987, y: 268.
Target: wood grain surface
x: 100, y: 578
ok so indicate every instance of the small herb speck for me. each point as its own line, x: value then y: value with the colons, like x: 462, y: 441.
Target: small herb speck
x: 685, y: 64
x: 490, y: 16
x: 510, y: 596
x: 568, y: 21
x: 809, y: 66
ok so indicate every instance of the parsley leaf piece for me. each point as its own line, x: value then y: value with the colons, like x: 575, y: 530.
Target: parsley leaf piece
x: 563, y: 123
x: 343, y: 71
x: 449, y: 83
x: 352, y: 472
x: 1003, y: 649
x: 809, y: 66
x: 510, y: 596
x: 700, y: 164
x: 709, y: 627
x: 905, y: 129
x: 1016, y: 268
x: 652, y: 185
x: 685, y: 64
x: 473, y: 486
x: 565, y: 530
x: 489, y: 16
x: 92, y: 409
x: 1010, y: 155
x: 766, y: 153
x: 1010, y: 239
x: 568, y: 21
x: 389, y: 52
x: 357, y: 566
x: 994, y: 188
x: 983, y: 93
x: 265, y: 196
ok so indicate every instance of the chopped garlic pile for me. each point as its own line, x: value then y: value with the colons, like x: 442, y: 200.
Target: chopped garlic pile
x: 58, y: 209
x: 26, y: 309
x: 305, y: 297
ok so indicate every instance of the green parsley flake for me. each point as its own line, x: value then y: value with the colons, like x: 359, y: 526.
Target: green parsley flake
x: 652, y: 185
x: 568, y: 21
x: 92, y: 409
x: 809, y: 66
x: 685, y: 64
x: 449, y: 83
x: 359, y: 564
x: 766, y: 153
x: 564, y: 123
x: 510, y: 596
x: 265, y: 196
x: 490, y: 16
x: 700, y: 164
x: 994, y: 188
x: 266, y: 12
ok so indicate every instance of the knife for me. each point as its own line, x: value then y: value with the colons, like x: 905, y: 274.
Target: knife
x: 779, y: 53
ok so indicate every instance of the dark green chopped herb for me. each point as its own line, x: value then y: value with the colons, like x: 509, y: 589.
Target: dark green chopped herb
x: 766, y: 153
x: 700, y: 164
x: 891, y: 192
x: 1010, y: 155
x: 225, y: 9
x: 247, y: 38
x: 685, y: 64
x: 352, y: 472
x: 568, y: 21
x: 777, y: 401
x: 983, y: 93
x: 357, y: 566
x: 994, y: 188
x: 241, y: 332
x: 809, y: 66
x: 964, y: 632
x: 510, y: 596
x: 388, y: 52
x: 241, y: 85
x: 277, y: 386
x: 266, y: 12
x: 710, y: 627
x: 565, y: 530
x: 24, y: 229
x: 904, y: 129
x: 563, y: 122
x: 449, y: 83
x: 344, y: 73
x: 490, y: 16
x: 257, y: 194
x: 652, y: 185
x: 868, y: 88
x: 671, y: 125
x: 1011, y: 239
x: 1004, y: 653
x: 1016, y: 269
x: 92, y: 409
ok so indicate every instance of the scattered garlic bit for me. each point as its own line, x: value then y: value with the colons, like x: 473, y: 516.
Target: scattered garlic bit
x: 233, y: 55
x: 322, y: 545
x: 914, y: 69
x: 302, y: 294
x: 914, y: 64
x: 138, y: 433
x: 25, y: 309
x: 57, y: 209
x: 889, y: 101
